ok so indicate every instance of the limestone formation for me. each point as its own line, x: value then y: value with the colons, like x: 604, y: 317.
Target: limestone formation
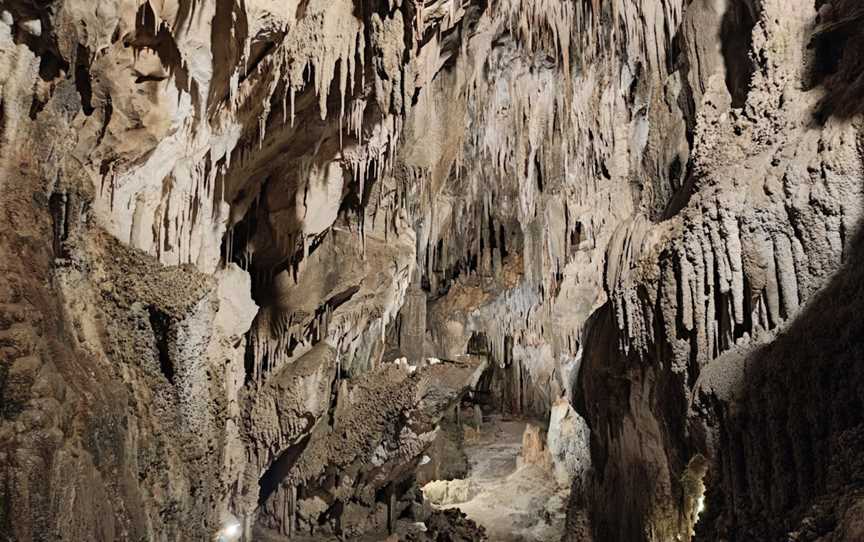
x: 268, y: 267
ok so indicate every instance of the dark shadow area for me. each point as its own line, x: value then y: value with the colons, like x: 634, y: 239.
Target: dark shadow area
x: 279, y: 469
x: 161, y: 325
x: 736, y: 37
x: 838, y: 62
x: 790, y: 454
x: 82, y: 79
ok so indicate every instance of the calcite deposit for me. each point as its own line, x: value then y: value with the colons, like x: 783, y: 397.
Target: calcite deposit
x: 267, y: 267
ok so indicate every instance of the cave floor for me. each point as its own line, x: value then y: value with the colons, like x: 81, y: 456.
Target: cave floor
x: 513, y: 501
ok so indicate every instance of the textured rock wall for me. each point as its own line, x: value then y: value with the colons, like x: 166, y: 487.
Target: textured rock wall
x: 223, y: 221
x: 774, y: 208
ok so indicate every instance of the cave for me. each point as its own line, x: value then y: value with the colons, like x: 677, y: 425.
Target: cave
x: 438, y: 270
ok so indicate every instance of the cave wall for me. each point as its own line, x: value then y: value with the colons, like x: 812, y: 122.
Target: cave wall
x: 772, y: 220
x: 226, y: 219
